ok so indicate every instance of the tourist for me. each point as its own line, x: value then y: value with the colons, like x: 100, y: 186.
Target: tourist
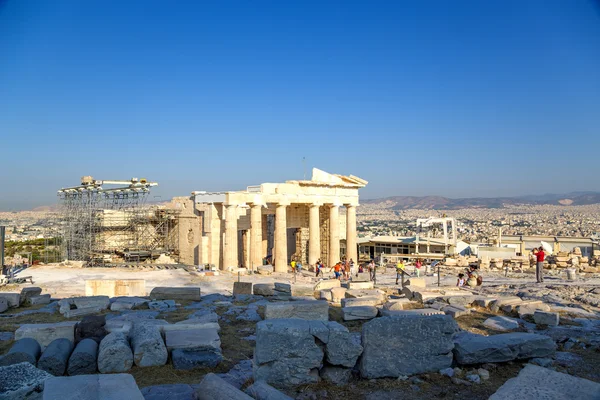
x: 399, y: 270
x: 361, y: 268
x: 461, y: 281
x: 347, y: 269
x: 372, y: 270
x: 337, y: 270
x: 539, y: 266
x: 352, y: 268
x: 293, y: 264
x: 418, y: 266
x: 298, y: 266
x: 474, y: 279
x: 318, y: 267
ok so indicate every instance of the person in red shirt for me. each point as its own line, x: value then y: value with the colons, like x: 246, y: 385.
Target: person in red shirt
x: 539, y: 267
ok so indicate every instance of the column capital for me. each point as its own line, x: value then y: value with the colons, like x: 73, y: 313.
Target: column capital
x: 283, y: 203
x: 331, y: 205
x: 315, y: 204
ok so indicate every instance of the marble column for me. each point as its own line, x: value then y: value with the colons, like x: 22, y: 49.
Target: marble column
x: 281, y: 261
x: 334, y: 234
x: 351, y: 250
x: 314, y: 235
x: 230, y: 251
x: 256, y: 253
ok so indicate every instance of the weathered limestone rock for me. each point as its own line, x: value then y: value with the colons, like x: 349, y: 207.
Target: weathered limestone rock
x: 239, y: 374
x: 148, y: 346
x: 359, y: 312
x: 242, y: 288
x: 422, y: 296
x: 91, y: 327
x: 535, y: 382
x: 426, y: 345
x: 501, y: 323
x: 176, y: 293
x: 396, y: 304
x: 483, y: 302
x: 13, y: 299
x: 405, y: 313
x: 360, y: 285
x: 327, y: 284
x: 46, y: 333
x: 286, y: 353
x: 343, y: 348
x: 263, y: 391
x: 361, y: 301
x: 337, y: 294
x: 263, y: 289
x: 309, y: 310
x: 92, y: 387
x: 283, y: 288
x: 302, y: 290
x: 546, y: 318
x: 193, y: 339
x: 101, y: 302
x: 408, y: 292
x: 196, y: 358
x: 22, y: 381
x: 56, y: 356
x: 115, y: 287
x: 162, y: 305
x: 114, y: 354
x: 83, y: 359
x: 3, y: 305
x: 362, y: 277
x: 80, y: 312
x: 325, y: 295
x: 265, y: 269
x: 42, y: 299
x: 474, y: 349
x: 367, y: 293
x: 336, y: 375
x: 530, y: 308
x: 512, y: 301
x: 28, y: 292
x: 212, y: 387
x: 24, y: 350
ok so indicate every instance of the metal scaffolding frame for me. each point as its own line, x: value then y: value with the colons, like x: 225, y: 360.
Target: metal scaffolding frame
x: 107, y: 226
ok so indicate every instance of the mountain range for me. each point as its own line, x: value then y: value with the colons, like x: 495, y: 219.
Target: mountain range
x: 445, y: 203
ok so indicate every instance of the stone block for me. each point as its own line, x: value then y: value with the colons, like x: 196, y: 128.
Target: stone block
x: 22, y: 381
x: 422, y: 296
x: 367, y: 293
x: 83, y: 359
x: 162, y: 305
x: 396, y: 304
x: 177, y: 391
x: 408, y: 292
x: 483, y: 302
x: 80, y: 312
x: 3, y: 305
x: 286, y: 352
x: 101, y: 302
x: 501, y: 323
x: 343, y: 348
x: 23, y: 350
x: 120, y: 306
x: 405, y: 313
x: 359, y: 312
x: 148, y: 346
x: 195, y: 358
x: 528, y: 309
x: 327, y: 284
x: 92, y: 387
x: 416, y: 282
x: 114, y: 354
x: 265, y: 269
x: 361, y: 301
x: 309, y: 310
x: 193, y: 339
x: 55, y: 358
x: 455, y: 311
x: 115, y: 287
x: 303, y: 290
x: 362, y: 277
x: 94, y: 327
x: 424, y: 345
x: 325, y: 295
x: 176, y: 293
x: 263, y: 289
x: 263, y: 391
x: 360, y: 285
x: 28, y: 292
x: 546, y: 318
x: 283, y: 287
x: 337, y: 294
x: 535, y: 382
x: 512, y: 301
x: 13, y: 299
x: 41, y: 299
x: 242, y: 288
x: 46, y: 333
x: 475, y: 349
x: 212, y: 387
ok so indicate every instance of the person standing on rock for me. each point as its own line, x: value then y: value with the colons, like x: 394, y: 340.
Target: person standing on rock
x: 399, y: 270
x: 539, y: 266
x: 418, y: 266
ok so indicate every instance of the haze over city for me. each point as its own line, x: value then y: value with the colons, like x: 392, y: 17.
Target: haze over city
x: 475, y: 99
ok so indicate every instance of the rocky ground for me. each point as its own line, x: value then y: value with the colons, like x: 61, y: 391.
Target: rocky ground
x: 577, y: 335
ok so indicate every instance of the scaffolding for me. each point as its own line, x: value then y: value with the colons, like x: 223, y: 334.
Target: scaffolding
x: 109, y: 222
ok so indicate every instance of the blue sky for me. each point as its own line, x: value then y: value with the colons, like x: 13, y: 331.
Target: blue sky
x: 453, y: 98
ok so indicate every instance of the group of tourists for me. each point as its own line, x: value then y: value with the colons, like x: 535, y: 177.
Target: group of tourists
x: 401, y: 271
x: 470, y: 278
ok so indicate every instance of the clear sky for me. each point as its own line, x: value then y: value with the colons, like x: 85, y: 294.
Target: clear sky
x: 454, y: 98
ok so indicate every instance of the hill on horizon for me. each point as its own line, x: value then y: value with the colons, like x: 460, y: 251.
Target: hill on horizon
x: 446, y: 203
